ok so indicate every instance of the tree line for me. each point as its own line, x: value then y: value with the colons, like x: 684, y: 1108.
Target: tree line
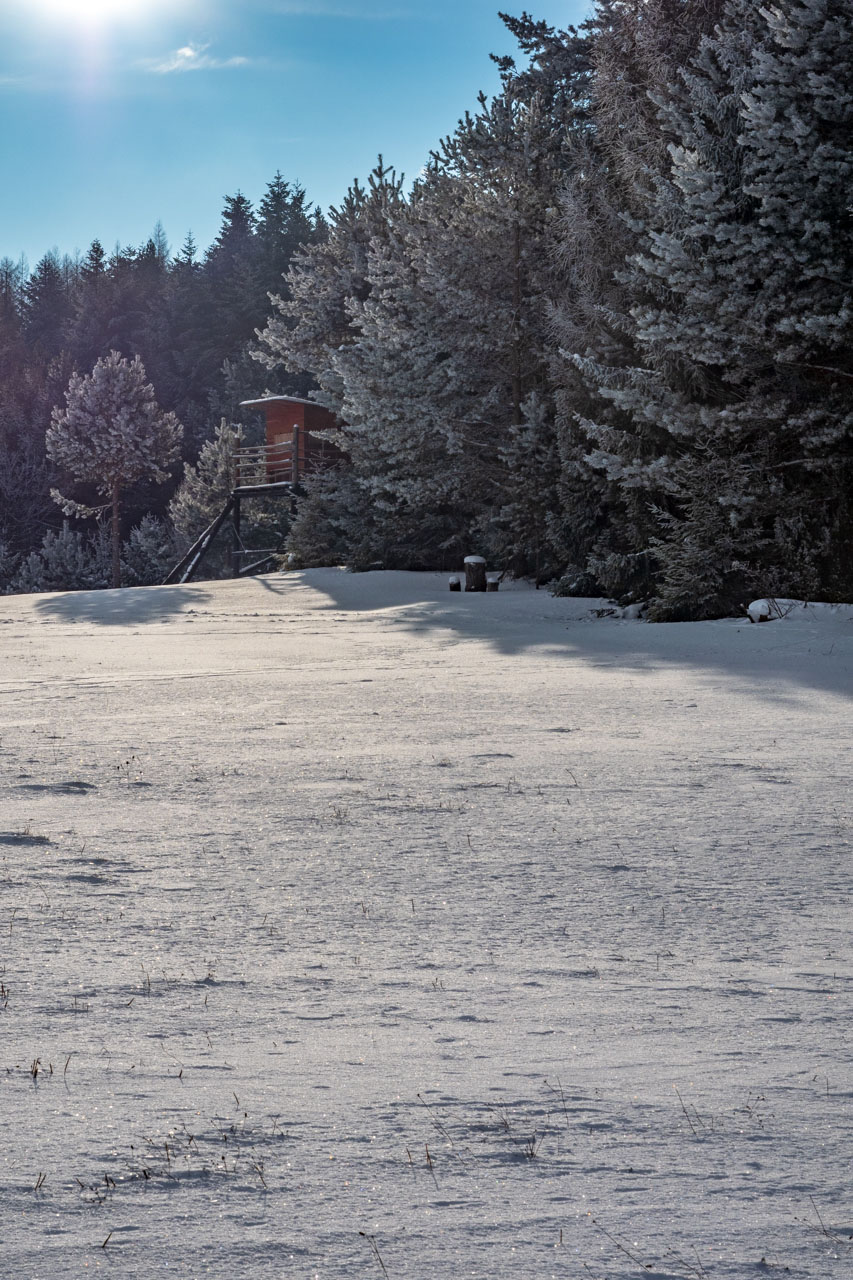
x: 190, y: 319
x: 605, y: 337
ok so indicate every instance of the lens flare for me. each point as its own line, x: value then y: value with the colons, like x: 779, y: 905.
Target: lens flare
x: 96, y: 13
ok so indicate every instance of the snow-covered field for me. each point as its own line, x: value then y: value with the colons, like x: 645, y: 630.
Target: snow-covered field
x: 351, y: 927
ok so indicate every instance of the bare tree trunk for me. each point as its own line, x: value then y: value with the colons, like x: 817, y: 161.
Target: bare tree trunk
x: 116, y: 539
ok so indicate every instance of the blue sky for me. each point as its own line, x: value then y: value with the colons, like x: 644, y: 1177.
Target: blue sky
x: 114, y: 113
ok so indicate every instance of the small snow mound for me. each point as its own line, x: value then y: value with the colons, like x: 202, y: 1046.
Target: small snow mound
x: 766, y: 610
x: 815, y: 610
x: 634, y: 612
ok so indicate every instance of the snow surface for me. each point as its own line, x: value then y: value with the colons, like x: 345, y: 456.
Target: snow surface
x: 350, y: 927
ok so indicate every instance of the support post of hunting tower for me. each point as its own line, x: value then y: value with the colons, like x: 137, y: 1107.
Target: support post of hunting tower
x: 235, y: 538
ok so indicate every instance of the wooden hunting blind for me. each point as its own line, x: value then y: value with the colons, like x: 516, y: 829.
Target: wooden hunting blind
x: 295, y: 445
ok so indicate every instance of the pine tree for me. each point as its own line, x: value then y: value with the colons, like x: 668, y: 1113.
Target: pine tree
x: 617, y: 156
x: 490, y: 277
x: 426, y: 325
x: 94, y: 265
x: 229, y: 276
x: 203, y: 492
x: 160, y: 242
x: 451, y: 348
x: 12, y: 277
x: 90, y: 324
x: 46, y: 305
x: 9, y: 560
x: 112, y: 434
x: 119, y: 305
x: 312, y: 317
x: 743, y: 317
x: 397, y: 388
x: 284, y: 225
x: 29, y: 388
x: 187, y: 370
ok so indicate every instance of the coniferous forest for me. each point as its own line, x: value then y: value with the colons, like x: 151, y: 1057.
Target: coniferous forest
x: 605, y: 338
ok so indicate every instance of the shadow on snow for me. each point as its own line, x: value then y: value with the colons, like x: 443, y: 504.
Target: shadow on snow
x: 123, y: 607
x: 769, y: 660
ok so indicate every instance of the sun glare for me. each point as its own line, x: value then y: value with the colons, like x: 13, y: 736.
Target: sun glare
x: 96, y: 8
x: 96, y: 12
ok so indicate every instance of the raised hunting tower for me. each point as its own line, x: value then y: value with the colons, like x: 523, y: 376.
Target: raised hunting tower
x: 294, y: 447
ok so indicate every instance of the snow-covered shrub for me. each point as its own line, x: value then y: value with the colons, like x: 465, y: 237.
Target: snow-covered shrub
x: 68, y: 561
x: 321, y: 533
x: 576, y: 582
x: 206, y: 486
x: 8, y: 564
x: 149, y: 553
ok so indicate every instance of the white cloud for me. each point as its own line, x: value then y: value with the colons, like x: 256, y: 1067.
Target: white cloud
x: 190, y: 57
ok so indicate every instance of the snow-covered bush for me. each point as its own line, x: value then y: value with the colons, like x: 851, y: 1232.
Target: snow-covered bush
x: 328, y: 516
x: 67, y: 561
x: 206, y: 486
x: 149, y: 553
x: 204, y: 491
x: 8, y: 564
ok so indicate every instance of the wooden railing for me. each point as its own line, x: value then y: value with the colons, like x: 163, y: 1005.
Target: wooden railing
x: 267, y: 464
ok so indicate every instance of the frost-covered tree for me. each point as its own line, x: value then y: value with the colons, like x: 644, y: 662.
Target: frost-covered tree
x: 451, y: 341
x: 9, y: 561
x: 311, y: 317
x: 206, y: 486
x: 112, y: 434
x: 67, y: 560
x: 204, y: 490
x: 330, y: 526
x: 425, y: 324
x: 149, y: 553
x: 395, y: 386
x: 736, y: 426
x: 635, y: 51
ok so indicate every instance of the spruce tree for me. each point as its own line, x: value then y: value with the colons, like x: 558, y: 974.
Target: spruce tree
x: 284, y: 225
x: 742, y: 317
x: 445, y: 390
x: 206, y: 485
x: 312, y: 315
x: 148, y: 553
x: 617, y: 156
x: 47, y: 305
